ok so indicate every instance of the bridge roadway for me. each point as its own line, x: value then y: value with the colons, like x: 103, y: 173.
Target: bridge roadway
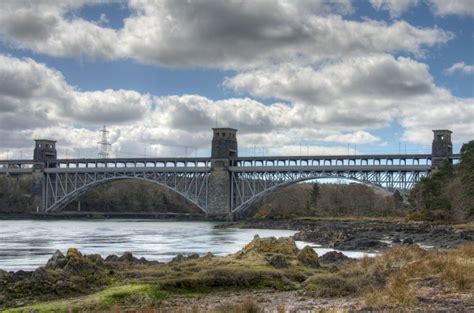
x: 267, y: 163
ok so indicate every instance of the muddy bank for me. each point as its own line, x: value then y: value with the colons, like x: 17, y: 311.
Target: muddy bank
x: 366, y: 235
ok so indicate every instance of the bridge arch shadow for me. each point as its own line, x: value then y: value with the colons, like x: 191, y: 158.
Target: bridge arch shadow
x: 68, y: 198
x: 240, y: 210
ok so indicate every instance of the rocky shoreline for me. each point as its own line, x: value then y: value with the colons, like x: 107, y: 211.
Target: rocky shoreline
x: 366, y: 235
x: 267, y: 274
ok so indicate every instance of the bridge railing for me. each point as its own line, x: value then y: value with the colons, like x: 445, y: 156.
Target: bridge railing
x: 132, y: 163
x: 337, y: 160
x: 16, y: 166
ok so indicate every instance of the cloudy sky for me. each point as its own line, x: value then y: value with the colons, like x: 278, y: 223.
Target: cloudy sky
x: 293, y: 76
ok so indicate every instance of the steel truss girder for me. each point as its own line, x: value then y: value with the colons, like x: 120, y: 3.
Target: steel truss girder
x: 248, y: 187
x: 62, y: 188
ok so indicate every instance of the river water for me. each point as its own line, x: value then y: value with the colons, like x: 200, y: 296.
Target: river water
x: 27, y: 244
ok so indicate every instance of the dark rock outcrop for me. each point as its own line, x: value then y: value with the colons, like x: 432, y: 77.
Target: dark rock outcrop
x: 282, y: 245
x: 278, y: 260
x: 334, y: 258
x: 307, y: 256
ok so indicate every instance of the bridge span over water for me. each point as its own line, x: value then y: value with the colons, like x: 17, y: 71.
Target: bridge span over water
x: 224, y: 185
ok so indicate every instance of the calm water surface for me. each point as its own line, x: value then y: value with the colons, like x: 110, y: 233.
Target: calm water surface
x: 26, y: 244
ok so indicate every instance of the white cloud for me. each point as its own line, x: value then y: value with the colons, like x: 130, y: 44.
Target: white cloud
x: 33, y: 95
x: 439, y: 7
x: 211, y: 34
x: 43, y: 27
x: 363, y: 93
x: 395, y: 7
x: 453, y: 7
x: 339, y: 102
x: 460, y: 67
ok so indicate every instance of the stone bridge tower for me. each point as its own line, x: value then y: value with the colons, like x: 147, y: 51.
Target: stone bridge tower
x: 442, y: 147
x: 224, y: 147
x: 45, y: 154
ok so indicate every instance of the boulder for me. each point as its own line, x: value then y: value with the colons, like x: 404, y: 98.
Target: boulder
x: 57, y: 261
x: 282, y: 245
x: 307, y: 256
x: 78, y: 264
x: 181, y: 257
x: 96, y: 259
x: 111, y: 258
x: 178, y: 258
x: 408, y: 241
x: 73, y: 253
x: 278, y: 260
x: 334, y: 258
x: 128, y: 257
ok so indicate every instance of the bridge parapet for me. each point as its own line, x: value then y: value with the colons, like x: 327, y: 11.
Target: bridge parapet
x: 134, y: 163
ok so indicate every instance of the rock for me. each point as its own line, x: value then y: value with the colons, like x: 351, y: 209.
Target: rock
x: 73, y: 253
x: 40, y: 274
x: 57, y: 261
x: 278, y: 260
x: 193, y: 256
x: 78, y: 264
x: 96, y: 259
x: 282, y: 245
x: 111, y: 258
x: 464, y: 235
x: 128, y: 257
x: 181, y: 257
x: 334, y: 258
x: 307, y: 256
x: 359, y: 244
x: 407, y: 241
x: 396, y: 239
x: 177, y: 258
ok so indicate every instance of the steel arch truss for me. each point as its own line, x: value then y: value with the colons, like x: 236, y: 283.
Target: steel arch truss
x: 62, y: 188
x: 247, y: 187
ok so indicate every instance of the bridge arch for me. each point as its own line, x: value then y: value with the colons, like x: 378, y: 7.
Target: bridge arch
x: 242, y: 207
x: 59, y: 202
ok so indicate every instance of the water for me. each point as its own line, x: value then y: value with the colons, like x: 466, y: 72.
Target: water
x: 27, y: 244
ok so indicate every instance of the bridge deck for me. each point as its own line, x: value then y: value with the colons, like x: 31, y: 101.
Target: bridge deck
x: 378, y: 162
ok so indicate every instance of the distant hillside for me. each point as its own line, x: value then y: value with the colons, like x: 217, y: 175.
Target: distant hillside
x: 133, y: 196
x: 307, y: 199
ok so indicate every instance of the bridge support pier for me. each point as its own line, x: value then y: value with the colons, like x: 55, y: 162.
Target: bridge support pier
x: 37, y: 188
x: 224, y: 146
x: 218, y: 203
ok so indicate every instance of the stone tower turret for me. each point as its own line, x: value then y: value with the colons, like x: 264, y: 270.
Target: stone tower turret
x: 442, y: 147
x: 45, y: 154
x: 45, y: 150
x: 224, y: 143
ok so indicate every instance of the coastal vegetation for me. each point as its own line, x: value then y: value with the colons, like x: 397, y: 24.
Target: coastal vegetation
x: 403, y: 277
x: 449, y: 193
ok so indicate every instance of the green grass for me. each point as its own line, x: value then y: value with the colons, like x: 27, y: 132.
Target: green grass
x: 134, y: 294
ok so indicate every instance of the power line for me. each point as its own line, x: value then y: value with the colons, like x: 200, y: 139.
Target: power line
x: 104, y: 145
